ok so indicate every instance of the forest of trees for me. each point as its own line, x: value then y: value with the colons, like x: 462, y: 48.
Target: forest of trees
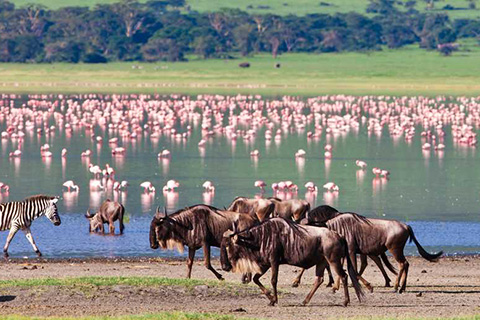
x: 164, y: 31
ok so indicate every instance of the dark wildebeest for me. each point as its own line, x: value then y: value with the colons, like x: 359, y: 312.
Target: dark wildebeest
x: 244, y: 65
x: 372, y: 237
x: 278, y: 241
x: 294, y: 209
x: 109, y: 212
x: 260, y: 209
x: 199, y: 226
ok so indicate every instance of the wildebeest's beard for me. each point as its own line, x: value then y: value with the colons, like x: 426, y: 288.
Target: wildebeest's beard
x: 238, y: 253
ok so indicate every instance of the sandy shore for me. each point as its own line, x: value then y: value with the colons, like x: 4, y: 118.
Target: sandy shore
x: 450, y: 287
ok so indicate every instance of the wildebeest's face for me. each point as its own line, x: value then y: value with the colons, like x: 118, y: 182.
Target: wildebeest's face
x: 160, y: 232
x: 238, y: 253
x: 227, y: 250
x: 93, y: 220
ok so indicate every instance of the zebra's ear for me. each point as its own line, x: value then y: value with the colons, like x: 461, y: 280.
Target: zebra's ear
x: 55, y: 199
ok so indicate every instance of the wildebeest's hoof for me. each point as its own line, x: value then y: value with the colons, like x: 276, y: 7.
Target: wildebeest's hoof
x: 345, y: 303
x: 221, y: 278
x: 295, y: 284
x: 388, y: 285
x: 329, y: 285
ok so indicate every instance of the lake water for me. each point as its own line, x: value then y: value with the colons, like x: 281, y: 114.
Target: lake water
x: 437, y: 192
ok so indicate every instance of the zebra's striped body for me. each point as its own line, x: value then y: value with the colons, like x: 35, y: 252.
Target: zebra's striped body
x: 19, y: 216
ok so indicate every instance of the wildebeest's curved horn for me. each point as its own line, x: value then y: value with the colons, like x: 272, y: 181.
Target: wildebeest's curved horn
x: 88, y: 215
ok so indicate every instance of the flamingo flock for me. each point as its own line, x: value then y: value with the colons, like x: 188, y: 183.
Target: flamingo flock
x: 116, y: 122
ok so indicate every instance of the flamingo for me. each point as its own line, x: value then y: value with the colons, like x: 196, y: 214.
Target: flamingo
x: 255, y: 153
x: 15, y: 154
x: 4, y: 187
x: 208, y: 186
x: 260, y: 184
x: 64, y: 153
x: 361, y: 164
x: 96, y: 185
x: 311, y: 187
x: 95, y: 170
x: 71, y: 185
x: 377, y: 171
x: 300, y: 153
x: 147, y: 186
x: 330, y: 186
x: 171, y: 185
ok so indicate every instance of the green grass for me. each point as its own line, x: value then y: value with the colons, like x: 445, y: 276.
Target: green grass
x: 110, y: 281
x: 282, y: 7
x: 409, y: 71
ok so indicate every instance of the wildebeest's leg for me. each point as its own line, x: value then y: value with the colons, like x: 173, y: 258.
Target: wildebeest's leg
x: 338, y: 268
x: 120, y: 219
x: 10, y: 236
x: 353, y: 257
x: 379, y: 264
x: 111, y: 226
x: 191, y: 256
x: 102, y: 230
x: 319, y: 271
x: 208, y: 265
x: 246, y: 277
x: 256, y: 280
x: 330, y: 277
x: 274, y: 282
x: 297, y: 280
x: 28, y: 235
x: 363, y: 264
x: 403, y: 264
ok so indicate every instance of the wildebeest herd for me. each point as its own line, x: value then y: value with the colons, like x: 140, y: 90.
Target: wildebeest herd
x: 255, y: 235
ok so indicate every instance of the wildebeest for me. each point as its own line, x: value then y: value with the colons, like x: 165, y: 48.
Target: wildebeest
x: 260, y: 208
x: 373, y: 237
x: 278, y: 241
x: 294, y: 209
x: 109, y: 212
x: 198, y: 226
x: 244, y: 65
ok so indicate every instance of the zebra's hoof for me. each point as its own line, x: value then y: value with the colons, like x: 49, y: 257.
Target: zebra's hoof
x: 5, y: 255
x: 38, y: 253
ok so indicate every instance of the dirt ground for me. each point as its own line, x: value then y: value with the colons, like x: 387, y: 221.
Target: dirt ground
x: 450, y: 287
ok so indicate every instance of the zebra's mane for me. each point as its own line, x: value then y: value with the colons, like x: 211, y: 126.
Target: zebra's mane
x: 38, y: 197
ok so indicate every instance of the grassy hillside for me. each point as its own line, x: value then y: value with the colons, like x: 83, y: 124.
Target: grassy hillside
x: 404, y: 71
x: 283, y: 7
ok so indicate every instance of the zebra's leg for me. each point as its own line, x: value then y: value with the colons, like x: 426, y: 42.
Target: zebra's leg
x: 11, y: 234
x: 28, y: 235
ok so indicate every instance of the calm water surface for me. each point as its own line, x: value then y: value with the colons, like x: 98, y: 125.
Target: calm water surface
x: 436, y: 193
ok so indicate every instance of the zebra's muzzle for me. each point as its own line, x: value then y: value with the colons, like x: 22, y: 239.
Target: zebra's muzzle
x: 56, y: 222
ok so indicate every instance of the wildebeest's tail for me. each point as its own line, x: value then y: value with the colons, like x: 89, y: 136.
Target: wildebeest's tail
x: 352, y: 273
x: 388, y: 264
x: 423, y: 253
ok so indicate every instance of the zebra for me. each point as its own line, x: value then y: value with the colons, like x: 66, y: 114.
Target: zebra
x: 20, y: 214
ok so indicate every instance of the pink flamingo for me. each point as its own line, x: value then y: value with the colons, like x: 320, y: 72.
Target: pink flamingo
x: 4, y: 187
x: 311, y: 187
x: 260, y: 184
x: 255, y: 153
x: 300, y: 153
x: 361, y: 164
x: 147, y: 186
x: 208, y: 186
x: 330, y: 186
x: 377, y: 171
x: 171, y: 185
x: 71, y: 185
x: 64, y: 153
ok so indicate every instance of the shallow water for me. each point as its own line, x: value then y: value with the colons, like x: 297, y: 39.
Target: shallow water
x: 436, y: 193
